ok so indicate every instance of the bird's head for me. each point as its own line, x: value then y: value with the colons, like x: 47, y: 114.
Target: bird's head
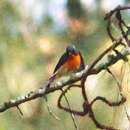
x: 71, y: 50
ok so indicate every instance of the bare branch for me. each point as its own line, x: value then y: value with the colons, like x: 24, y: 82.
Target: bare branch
x: 60, y: 84
x: 118, y: 8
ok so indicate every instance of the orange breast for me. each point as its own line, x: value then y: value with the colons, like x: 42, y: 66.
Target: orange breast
x: 73, y: 62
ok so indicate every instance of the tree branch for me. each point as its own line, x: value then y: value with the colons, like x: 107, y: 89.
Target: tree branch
x: 68, y: 80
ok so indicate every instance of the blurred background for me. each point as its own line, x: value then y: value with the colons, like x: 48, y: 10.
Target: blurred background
x: 33, y: 35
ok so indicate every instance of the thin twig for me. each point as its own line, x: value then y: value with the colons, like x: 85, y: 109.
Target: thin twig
x: 50, y: 111
x: 20, y: 111
x: 72, y: 115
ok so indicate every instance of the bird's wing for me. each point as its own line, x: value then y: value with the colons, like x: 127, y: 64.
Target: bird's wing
x: 62, y: 60
x: 82, y: 62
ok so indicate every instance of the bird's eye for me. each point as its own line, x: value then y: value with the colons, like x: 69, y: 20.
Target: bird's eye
x: 70, y: 53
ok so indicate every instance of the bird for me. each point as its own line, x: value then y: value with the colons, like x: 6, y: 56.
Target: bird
x: 70, y: 62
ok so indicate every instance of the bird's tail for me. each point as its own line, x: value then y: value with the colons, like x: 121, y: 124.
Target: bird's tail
x: 51, y: 79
